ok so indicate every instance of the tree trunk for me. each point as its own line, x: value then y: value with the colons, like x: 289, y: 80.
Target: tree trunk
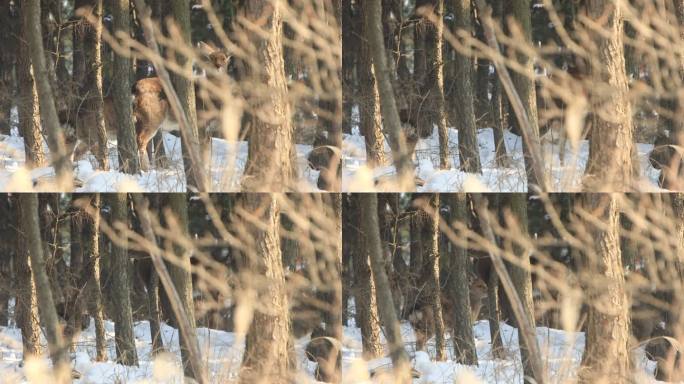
x: 388, y: 106
x: 271, y: 162
x: 129, y: 160
x: 610, y: 165
x: 180, y: 275
x: 26, y: 305
x: 185, y: 89
x: 91, y: 248
x: 370, y: 227
x: 48, y: 315
x: 462, y: 102
x: 430, y: 239
x: 458, y: 289
x: 524, y: 82
x: 91, y: 88
x: 370, y: 123
x: 48, y: 112
x: 27, y: 105
x: 520, y: 273
x: 363, y: 287
x: 606, y: 354
x: 433, y: 86
x: 126, y: 352
x: 266, y: 354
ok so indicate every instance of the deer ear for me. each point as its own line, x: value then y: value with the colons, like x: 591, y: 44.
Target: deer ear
x: 206, y: 48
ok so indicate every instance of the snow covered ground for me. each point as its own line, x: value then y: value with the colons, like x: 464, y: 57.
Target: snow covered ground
x: 227, y: 166
x: 561, y: 355
x: 356, y: 177
x: 219, y: 349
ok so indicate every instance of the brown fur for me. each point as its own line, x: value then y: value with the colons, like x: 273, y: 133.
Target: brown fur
x: 422, y: 318
x: 150, y: 109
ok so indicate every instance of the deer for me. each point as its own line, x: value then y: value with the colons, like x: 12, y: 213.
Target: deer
x: 422, y: 318
x: 151, y: 108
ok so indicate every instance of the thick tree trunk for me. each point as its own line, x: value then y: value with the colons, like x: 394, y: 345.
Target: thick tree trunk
x: 370, y: 123
x: 520, y: 10
x: 363, y: 288
x: 180, y: 275
x: 126, y: 352
x: 266, y: 354
x: 606, y: 354
x: 388, y: 106
x: 59, y: 353
x: 610, y: 166
x: 26, y: 306
x: 27, y: 105
x: 458, y: 289
x: 462, y: 102
x: 48, y: 111
x: 91, y: 88
x: 520, y: 273
x: 369, y: 223
x: 430, y: 239
x: 129, y: 160
x: 271, y: 163
x: 185, y: 89
x: 433, y: 86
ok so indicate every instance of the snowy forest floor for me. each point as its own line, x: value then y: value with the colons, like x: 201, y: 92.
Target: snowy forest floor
x: 566, y: 177
x: 220, y: 353
x: 227, y: 165
x: 561, y: 355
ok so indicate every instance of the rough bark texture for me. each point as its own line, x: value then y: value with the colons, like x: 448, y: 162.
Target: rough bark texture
x: 185, y: 89
x: 48, y: 111
x: 388, y: 106
x: 520, y: 274
x: 91, y: 88
x: 91, y: 248
x: 266, y: 347
x: 30, y: 225
x: 26, y: 308
x: 180, y: 275
x: 458, y: 289
x: 126, y: 352
x: 610, y: 166
x: 370, y: 123
x: 369, y: 209
x: 462, y: 102
x: 363, y: 287
x: 271, y: 163
x: 524, y: 83
x: 27, y: 105
x: 129, y: 160
x: 433, y: 86
x: 606, y: 354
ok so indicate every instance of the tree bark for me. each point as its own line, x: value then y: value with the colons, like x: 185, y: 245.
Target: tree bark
x: 430, y: 239
x: 266, y: 354
x: 59, y: 353
x: 363, y: 287
x: 271, y: 162
x: 433, y: 86
x: 48, y: 111
x: 462, y: 102
x: 520, y: 10
x: 458, y: 289
x: 126, y: 352
x: 606, y: 354
x: 400, y: 361
x: 610, y: 167
x: 129, y: 160
x: 91, y: 248
x: 27, y: 106
x: 180, y: 275
x: 388, y: 106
